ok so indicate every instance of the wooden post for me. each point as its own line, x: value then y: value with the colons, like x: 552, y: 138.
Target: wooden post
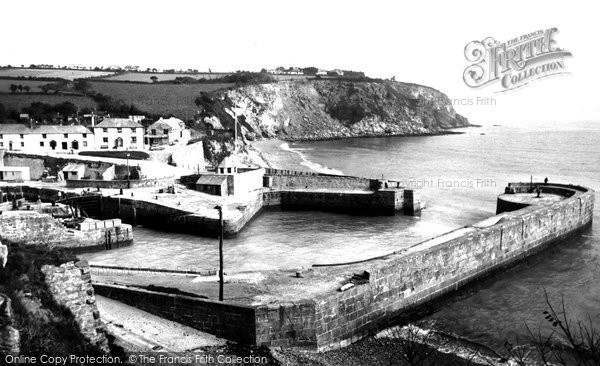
x: 221, y: 277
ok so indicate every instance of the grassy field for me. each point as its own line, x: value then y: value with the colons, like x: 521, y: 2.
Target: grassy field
x: 20, y: 100
x: 144, y: 77
x: 33, y: 84
x: 52, y: 73
x: 177, y: 99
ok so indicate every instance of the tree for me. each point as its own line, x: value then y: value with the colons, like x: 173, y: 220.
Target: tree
x: 2, y: 113
x: 27, y: 88
x: 20, y: 87
x: 154, y: 78
x: 310, y: 70
x: 13, y: 88
x: 82, y: 86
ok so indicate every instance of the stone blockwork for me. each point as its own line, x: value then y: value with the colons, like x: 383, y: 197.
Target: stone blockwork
x: 231, y: 321
x: 70, y: 286
x: 287, y: 182
x: 381, y: 202
x: 35, y: 228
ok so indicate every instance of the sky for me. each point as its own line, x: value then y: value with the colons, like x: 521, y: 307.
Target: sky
x: 418, y: 41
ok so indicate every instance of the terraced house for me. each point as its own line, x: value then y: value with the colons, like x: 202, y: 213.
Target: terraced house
x: 119, y: 134
x: 44, y: 139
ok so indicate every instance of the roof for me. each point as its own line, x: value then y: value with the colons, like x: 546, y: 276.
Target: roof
x: 50, y: 129
x: 118, y: 123
x: 172, y: 123
x: 73, y: 167
x: 18, y: 129
x: 212, y: 180
x: 13, y: 128
x: 230, y: 161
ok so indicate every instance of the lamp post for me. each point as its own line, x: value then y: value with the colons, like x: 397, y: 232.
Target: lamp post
x: 127, y: 156
x: 220, y: 209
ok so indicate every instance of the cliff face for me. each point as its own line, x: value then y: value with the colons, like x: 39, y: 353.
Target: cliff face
x: 325, y: 109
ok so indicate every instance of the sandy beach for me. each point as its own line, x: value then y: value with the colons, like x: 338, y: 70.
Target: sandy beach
x: 280, y: 154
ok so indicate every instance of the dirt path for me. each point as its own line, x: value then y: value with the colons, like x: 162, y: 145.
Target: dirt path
x: 146, y: 332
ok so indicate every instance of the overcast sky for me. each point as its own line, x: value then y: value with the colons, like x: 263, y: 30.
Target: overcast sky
x: 416, y: 41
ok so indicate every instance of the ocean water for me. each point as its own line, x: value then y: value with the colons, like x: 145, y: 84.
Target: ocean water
x: 461, y: 175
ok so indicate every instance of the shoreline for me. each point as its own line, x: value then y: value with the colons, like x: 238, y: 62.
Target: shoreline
x: 274, y: 155
x: 442, y: 132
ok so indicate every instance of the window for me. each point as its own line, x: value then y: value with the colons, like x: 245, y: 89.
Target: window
x: 165, y: 131
x: 119, y: 130
x: 0, y: 135
x: 133, y: 130
x: 22, y: 144
x: 22, y: 136
x: 43, y: 135
x: 64, y: 145
x: 133, y: 139
x: 1, y: 144
x: 153, y: 131
x: 84, y: 135
x: 66, y: 135
x: 85, y: 144
x: 42, y: 143
x: 105, y: 139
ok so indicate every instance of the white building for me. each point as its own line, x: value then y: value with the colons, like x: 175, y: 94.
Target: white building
x: 45, y: 139
x: 166, y: 132
x: 119, y: 133
x: 14, y: 173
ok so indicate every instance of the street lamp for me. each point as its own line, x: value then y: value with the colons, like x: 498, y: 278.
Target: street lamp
x: 220, y: 209
x: 127, y: 156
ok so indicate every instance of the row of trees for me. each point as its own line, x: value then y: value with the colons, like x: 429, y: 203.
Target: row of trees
x: 14, y: 88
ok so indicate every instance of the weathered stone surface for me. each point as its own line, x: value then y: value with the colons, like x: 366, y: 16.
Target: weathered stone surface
x: 70, y: 286
x: 9, y: 336
x: 3, y: 255
x: 326, y: 109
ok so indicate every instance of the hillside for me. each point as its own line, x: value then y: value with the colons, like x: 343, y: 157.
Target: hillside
x: 319, y: 109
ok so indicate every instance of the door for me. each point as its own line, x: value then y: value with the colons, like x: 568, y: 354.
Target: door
x: 118, y: 142
x: 10, y: 147
x: 53, y: 145
x: 75, y: 145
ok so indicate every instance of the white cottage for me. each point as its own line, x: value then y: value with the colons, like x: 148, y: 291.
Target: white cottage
x: 45, y: 139
x: 119, y: 133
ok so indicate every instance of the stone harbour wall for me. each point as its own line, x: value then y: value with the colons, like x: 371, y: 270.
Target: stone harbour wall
x: 439, y: 266
x: 423, y: 273
x: 30, y: 227
x: 397, y: 284
x: 286, y: 182
x: 230, y: 321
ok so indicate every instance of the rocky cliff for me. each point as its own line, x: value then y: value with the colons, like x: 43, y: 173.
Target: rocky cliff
x: 327, y: 109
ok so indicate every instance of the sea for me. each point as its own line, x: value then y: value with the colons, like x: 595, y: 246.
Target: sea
x: 460, y: 176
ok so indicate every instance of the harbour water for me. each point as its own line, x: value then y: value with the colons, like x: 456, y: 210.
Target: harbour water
x: 461, y: 175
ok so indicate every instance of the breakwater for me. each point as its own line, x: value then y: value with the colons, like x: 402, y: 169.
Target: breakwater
x: 399, y: 283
